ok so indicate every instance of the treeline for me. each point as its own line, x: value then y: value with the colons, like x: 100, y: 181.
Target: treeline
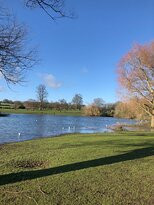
x: 42, y: 103
x: 126, y: 109
x: 35, y: 105
x: 97, y: 108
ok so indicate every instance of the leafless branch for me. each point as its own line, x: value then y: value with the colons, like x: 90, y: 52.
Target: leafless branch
x: 53, y: 8
x: 15, y: 57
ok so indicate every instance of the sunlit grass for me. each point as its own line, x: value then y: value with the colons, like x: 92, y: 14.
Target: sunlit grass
x: 50, y: 112
x: 79, y: 169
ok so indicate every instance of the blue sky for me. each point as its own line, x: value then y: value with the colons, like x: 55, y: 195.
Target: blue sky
x: 81, y: 55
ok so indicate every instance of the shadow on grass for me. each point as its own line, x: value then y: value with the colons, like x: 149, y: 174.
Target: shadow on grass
x: 28, y: 175
x: 107, y: 143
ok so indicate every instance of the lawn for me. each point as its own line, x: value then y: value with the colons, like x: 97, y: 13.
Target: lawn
x: 50, y: 112
x: 79, y: 169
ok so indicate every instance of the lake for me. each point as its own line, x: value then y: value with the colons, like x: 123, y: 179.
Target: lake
x: 20, y: 127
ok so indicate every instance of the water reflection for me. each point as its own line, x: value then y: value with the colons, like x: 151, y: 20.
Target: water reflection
x: 19, y: 127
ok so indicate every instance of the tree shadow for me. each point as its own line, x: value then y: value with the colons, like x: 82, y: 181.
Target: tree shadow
x: 28, y: 175
x: 106, y: 143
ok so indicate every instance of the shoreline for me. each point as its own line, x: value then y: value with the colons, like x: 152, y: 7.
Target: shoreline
x: 38, y: 112
x: 57, y: 136
x: 106, y: 133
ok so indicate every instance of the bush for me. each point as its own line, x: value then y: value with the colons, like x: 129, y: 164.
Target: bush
x: 91, y: 110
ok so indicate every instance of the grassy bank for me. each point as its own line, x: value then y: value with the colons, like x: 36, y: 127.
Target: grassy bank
x: 77, y: 169
x: 50, y: 112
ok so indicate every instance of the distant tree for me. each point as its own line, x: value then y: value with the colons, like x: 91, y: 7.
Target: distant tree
x: 98, y: 102
x: 31, y: 100
x: 91, y: 110
x: 51, y: 105
x: 136, y: 76
x: 41, y: 95
x: 31, y: 104
x: 7, y: 101
x: 62, y: 101
x: 71, y: 106
x: 18, y: 105
x: 123, y: 110
x: 55, y: 105
x: 129, y: 109
x: 108, y: 109
x: 77, y: 101
x: 63, y: 104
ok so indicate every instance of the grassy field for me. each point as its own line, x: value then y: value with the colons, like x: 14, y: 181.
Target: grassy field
x: 79, y: 169
x: 50, y: 112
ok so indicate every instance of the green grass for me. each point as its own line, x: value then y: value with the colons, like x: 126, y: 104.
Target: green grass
x: 50, y: 112
x: 79, y: 169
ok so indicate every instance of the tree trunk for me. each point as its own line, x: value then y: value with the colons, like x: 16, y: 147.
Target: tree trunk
x: 41, y: 105
x: 152, y: 121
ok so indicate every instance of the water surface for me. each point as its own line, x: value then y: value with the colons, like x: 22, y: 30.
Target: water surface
x: 20, y: 127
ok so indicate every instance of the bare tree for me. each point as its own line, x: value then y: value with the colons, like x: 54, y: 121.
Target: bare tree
x: 41, y: 95
x: 136, y: 75
x: 98, y: 102
x: 15, y: 57
x: 77, y: 101
x: 53, y: 8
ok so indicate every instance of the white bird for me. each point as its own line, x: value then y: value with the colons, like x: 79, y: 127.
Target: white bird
x: 19, y: 134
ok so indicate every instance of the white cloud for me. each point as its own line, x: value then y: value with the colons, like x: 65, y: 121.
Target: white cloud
x: 51, y: 81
